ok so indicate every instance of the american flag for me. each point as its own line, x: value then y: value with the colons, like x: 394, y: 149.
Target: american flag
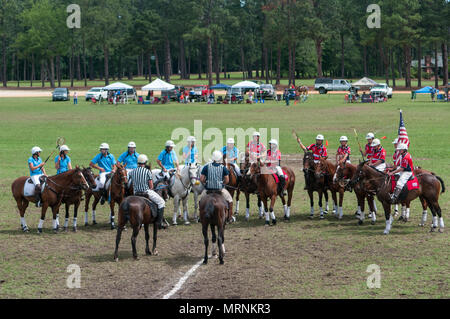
x: 402, y: 134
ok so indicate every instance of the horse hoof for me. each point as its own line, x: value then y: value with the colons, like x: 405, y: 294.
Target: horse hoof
x: 116, y: 259
x: 372, y: 222
x: 148, y: 252
x: 65, y: 229
x: 26, y: 230
x: 39, y: 230
x: 311, y: 216
x: 205, y: 262
x: 267, y: 223
x: 385, y: 232
x: 274, y: 222
x: 433, y: 229
x: 441, y: 230
x: 325, y: 212
x: 322, y: 217
x: 186, y: 223
x: 113, y: 227
x: 221, y: 262
x: 400, y: 218
x: 74, y: 229
x: 94, y: 222
x: 360, y: 222
x: 86, y: 224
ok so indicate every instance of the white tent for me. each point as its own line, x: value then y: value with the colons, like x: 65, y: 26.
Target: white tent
x: 117, y: 86
x: 366, y: 82
x: 246, y: 85
x: 158, y: 85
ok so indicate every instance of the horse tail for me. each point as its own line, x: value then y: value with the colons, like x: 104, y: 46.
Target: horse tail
x: 209, y: 209
x: 125, y: 206
x: 442, y: 184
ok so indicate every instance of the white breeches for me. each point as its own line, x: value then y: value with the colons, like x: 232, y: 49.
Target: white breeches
x: 101, y: 181
x: 35, y: 179
x: 237, y: 169
x: 381, y: 167
x: 225, y: 194
x: 404, y: 177
x: 154, y: 197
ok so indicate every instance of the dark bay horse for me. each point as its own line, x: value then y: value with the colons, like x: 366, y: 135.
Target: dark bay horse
x: 327, y: 168
x: 248, y: 187
x: 117, y: 189
x: 233, y: 185
x: 214, y: 213
x: 314, y: 184
x: 344, y: 174
x: 268, y: 189
x: 138, y: 211
x: 75, y: 197
x: 52, y: 195
x: 380, y: 184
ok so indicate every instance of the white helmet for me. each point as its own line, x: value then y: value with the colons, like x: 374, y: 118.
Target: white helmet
x: 320, y: 137
x: 273, y: 142
x: 35, y: 150
x: 170, y: 144
x: 370, y: 136
x: 132, y: 144
x: 217, y: 156
x: 142, y: 159
x: 64, y: 148
x: 375, y: 142
x: 395, y: 141
x: 343, y: 139
x: 256, y: 134
x: 104, y: 146
x: 402, y: 147
x: 230, y: 140
x: 191, y: 139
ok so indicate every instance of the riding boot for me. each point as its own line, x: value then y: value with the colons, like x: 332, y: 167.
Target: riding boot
x: 281, y: 185
x: 104, y: 196
x: 37, y: 195
x: 394, y: 196
x: 159, y: 219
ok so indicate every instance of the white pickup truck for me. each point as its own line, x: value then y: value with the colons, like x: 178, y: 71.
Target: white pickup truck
x: 323, y: 85
x: 96, y: 93
x: 382, y: 89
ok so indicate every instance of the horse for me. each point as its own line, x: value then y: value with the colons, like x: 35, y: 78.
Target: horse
x: 118, y: 188
x: 380, y: 184
x: 314, y: 183
x: 52, y: 194
x: 268, y: 188
x: 343, y: 176
x: 213, y: 212
x: 233, y: 184
x: 248, y: 186
x: 75, y: 198
x: 138, y: 211
x: 303, y: 90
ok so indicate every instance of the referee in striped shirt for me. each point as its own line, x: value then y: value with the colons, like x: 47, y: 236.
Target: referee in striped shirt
x: 141, y: 177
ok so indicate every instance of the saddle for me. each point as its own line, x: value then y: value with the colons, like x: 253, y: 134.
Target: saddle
x: 149, y: 202
x: 412, y: 184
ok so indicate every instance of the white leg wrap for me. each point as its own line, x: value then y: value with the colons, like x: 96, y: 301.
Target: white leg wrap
x: 267, y: 217
x: 272, y: 215
x: 375, y: 205
x: 66, y: 223
x: 407, y: 213
x: 327, y: 207
x: 75, y: 222
x: 424, y: 217
x: 247, y: 213
x: 361, y: 216
x: 23, y: 222
x: 396, y: 207
x: 374, y: 217
x: 186, y: 216
x: 288, y: 212
x: 335, y: 210
x: 175, y: 218
x: 57, y: 220
x: 341, y: 212
x: 261, y: 210
x: 237, y: 207
x: 435, y: 221
x: 312, y: 210
x: 54, y: 224
x: 441, y: 222
x: 41, y: 223
x: 86, y: 217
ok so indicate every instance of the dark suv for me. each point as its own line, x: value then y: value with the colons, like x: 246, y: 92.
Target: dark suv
x: 61, y: 94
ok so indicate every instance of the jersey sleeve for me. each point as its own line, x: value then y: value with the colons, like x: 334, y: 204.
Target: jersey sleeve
x: 95, y: 159
x: 310, y: 147
x: 56, y: 159
x: 325, y: 152
x: 121, y: 157
x: 161, y: 156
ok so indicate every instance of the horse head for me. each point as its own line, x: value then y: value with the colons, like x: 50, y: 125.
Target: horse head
x: 359, y: 173
x: 89, y: 176
x: 308, y: 162
x: 122, y: 175
x: 194, y: 173
x: 78, y: 178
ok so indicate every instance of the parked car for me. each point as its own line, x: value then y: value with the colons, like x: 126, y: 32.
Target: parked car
x: 173, y: 94
x: 323, y: 85
x: 268, y: 91
x: 96, y: 93
x: 200, y: 92
x: 61, y: 94
x: 383, y: 89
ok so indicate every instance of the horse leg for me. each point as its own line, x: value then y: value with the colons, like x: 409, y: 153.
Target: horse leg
x: 362, y: 213
x: 261, y: 208
x: 133, y: 240
x: 94, y: 207
x: 185, y: 209
x: 147, y: 238
x: 266, y: 211
x: 220, y: 243
x: 341, y: 202
x: 66, y: 220
x: 335, y: 204
x: 41, y: 221
x: 118, y: 236
x: 75, y: 216
x: 424, y: 211
x: 288, y: 211
x: 205, y: 241
x: 389, y: 218
x: 176, y: 206
x: 155, y: 236
x: 272, y: 204
x: 283, y: 201
x: 311, y: 200
x: 247, y: 205
x: 320, y: 203
x: 55, y: 210
x: 213, y: 239
x: 111, y: 207
x: 22, y: 205
x: 86, y: 207
x: 236, y: 210
x: 195, y: 206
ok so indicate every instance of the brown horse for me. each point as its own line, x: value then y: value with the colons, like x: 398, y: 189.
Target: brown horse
x: 213, y: 212
x: 233, y: 184
x: 52, y: 195
x: 268, y: 188
x: 303, y: 90
x: 138, y: 211
x: 380, y: 184
x: 75, y: 197
x: 117, y: 189
x: 248, y: 187
x: 314, y: 183
x: 343, y: 176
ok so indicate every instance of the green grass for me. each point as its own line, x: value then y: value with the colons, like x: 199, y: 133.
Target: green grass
x: 302, y: 259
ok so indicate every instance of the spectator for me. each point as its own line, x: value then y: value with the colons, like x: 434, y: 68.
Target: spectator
x: 75, y: 98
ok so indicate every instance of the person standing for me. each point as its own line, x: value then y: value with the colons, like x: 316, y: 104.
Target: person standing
x: 75, y: 98
x: 190, y: 151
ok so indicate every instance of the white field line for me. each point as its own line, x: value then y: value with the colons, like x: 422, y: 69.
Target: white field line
x: 183, y: 279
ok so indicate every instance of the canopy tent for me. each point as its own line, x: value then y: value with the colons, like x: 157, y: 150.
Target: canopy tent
x: 427, y: 89
x: 117, y: 86
x: 220, y: 86
x: 365, y: 82
x: 158, y: 85
x: 246, y: 85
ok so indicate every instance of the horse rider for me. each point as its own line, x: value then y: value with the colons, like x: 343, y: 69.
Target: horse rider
x: 141, y: 177
x: 190, y: 151
x: 368, y: 151
x: 36, y: 171
x: 273, y: 161
x: 405, y: 169
x: 168, y: 160
x: 129, y: 158
x: 105, y: 163
x: 378, y: 158
x: 63, y: 162
x: 215, y: 176
x: 344, y: 151
x: 396, y: 157
x: 231, y: 152
x: 255, y: 148
x: 319, y: 151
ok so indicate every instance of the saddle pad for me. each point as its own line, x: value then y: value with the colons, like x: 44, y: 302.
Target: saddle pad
x: 277, y: 180
x: 28, y: 189
x: 413, y: 184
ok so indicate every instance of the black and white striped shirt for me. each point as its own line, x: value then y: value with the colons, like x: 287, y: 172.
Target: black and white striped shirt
x: 140, y: 178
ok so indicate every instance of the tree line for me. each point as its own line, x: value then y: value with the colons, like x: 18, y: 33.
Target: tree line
x: 264, y: 39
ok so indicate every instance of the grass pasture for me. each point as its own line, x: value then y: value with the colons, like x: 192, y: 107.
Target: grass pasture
x: 301, y: 259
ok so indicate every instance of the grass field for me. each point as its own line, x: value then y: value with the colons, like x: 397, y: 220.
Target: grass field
x: 301, y: 259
